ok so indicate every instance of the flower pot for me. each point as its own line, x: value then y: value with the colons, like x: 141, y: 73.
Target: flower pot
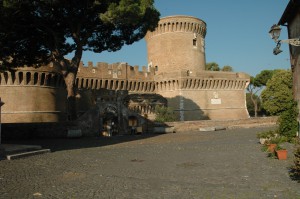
x: 271, y: 148
x: 281, y: 154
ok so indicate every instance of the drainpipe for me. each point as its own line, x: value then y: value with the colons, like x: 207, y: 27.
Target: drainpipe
x: 1, y: 104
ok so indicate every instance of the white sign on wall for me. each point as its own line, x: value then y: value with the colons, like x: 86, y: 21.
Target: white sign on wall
x: 216, y: 101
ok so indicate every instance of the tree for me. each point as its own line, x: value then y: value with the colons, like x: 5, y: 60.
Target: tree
x: 278, y: 95
x: 212, y: 66
x: 257, y: 83
x: 38, y: 32
x: 227, y: 69
x: 250, y: 105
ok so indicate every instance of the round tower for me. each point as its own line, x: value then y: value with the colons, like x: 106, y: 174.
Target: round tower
x: 177, y: 44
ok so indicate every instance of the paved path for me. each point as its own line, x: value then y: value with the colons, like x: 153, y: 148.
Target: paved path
x: 220, y: 164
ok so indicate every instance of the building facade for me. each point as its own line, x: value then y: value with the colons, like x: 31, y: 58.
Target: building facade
x: 126, y: 96
x: 291, y: 19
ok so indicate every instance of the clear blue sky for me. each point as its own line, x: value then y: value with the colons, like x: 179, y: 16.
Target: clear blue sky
x: 237, y: 34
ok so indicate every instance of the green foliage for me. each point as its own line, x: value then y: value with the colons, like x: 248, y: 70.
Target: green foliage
x: 52, y: 29
x: 262, y: 78
x: 164, y: 114
x: 257, y: 83
x: 277, y: 140
x: 288, y: 124
x: 278, y: 95
x: 212, y: 66
x: 227, y: 69
x: 266, y: 134
x: 295, y: 172
x: 279, y: 147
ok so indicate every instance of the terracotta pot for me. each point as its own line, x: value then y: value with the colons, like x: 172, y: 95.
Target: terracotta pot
x: 281, y: 154
x: 271, y: 148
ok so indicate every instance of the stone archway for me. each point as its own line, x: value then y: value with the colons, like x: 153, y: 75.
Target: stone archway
x: 110, y: 120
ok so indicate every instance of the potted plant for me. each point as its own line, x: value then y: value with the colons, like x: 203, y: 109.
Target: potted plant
x: 281, y: 153
x: 273, y: 142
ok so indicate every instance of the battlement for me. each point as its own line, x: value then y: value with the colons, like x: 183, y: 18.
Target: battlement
x: 119, y: 70
x: 117, y: 76
x: 207, y: 80
x: 179, y: 24
x: 45, y: 76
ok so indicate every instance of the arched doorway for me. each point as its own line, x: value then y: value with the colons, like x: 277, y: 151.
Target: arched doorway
x: 110, y: 121
x: 132, y: 123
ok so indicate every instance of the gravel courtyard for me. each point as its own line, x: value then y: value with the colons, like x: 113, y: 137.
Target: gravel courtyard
x: 219, y: 164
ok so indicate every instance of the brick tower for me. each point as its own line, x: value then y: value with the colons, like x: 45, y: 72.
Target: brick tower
x: 176, y: 52
x: 177, y: 43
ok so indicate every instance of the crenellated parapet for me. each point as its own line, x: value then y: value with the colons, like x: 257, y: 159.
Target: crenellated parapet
x: 28, y: 76
x: 179, y: 24
x: 204, y: 81
x: 117, y: 70
x: 117, y: 76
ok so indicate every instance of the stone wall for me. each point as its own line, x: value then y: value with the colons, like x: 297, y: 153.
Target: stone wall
x: 205, y: 95
x: 33, y: 95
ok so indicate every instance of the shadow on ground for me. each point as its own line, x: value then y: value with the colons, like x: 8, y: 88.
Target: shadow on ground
x: 60, y: 144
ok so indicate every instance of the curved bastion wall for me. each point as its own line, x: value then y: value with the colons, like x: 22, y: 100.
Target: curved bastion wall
x: 207, y: 95
x: 32, y: 95
x: 178, y: 43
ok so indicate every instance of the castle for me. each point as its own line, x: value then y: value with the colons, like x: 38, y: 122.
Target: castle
x: 125, y: 96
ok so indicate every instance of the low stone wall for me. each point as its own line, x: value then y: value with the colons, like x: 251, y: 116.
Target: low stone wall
x: 228, y: 124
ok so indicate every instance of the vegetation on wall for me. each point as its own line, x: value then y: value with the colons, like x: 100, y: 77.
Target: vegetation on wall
x: 35, y: 33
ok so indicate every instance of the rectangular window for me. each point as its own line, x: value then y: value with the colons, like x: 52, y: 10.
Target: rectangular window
x: 194, y: 42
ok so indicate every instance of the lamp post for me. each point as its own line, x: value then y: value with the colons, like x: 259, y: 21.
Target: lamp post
x: 1, y: 104
x: 275, y: 34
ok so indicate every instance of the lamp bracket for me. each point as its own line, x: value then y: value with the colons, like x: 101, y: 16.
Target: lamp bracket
x: 293, y: 42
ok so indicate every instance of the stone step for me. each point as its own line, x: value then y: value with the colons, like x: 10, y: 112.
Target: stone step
x: 10, y: 149
x: 26, y: 154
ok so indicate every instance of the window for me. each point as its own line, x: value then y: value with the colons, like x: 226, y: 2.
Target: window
x: 194, y: 42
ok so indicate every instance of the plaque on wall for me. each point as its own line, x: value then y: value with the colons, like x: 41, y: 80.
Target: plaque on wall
x: 216, y: 101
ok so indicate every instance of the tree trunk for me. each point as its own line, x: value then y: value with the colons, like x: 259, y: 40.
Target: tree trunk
x: 255, y: 104
x: 71, y: 95
x: 69, y: 70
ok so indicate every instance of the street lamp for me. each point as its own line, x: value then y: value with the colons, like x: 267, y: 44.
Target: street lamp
x: 275, y: 33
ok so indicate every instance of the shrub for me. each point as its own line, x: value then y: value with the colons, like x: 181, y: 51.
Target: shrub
x: 295, y: 169
x: 288, y: 124
x: 164, y: 114
x: 266, y: 134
